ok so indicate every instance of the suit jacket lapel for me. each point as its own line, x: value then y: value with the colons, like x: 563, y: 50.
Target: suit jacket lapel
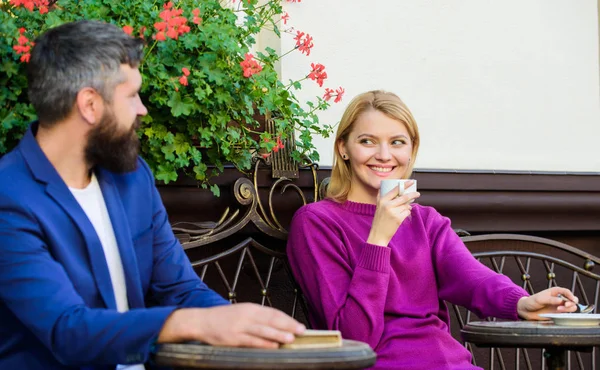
x: 56, y: 188
x: 123, y: 235
x: 67, y: 201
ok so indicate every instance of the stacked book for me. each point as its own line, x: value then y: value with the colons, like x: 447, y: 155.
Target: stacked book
x: 316, y: 339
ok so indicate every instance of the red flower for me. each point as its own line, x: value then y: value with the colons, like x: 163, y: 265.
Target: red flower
x: 303, y: 42
x: 285, y: 18
x: 197, y: 19
x: 22, y: 49
x: 298, y: 38
x: 306, y: 45
x: 340, y: 92
x: 30, y: 5
x: 250, y: 66
x: 128, y: 30
x: 278, y: 145
x: 186, y: 72
x: 173, y: 23
x: 318, y: 73
x: 24, y: 46
x: 183, y: 80
x: 172, y: 33
x: 165, y: 14
x: 183, y: 29
x: 22, y: 40
x: 328, y: 93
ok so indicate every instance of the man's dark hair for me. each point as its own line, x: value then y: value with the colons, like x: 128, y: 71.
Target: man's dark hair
x: 70, y: 57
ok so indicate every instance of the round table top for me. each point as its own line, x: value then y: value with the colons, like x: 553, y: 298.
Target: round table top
x: 540, y: 334
x: 351, y: 355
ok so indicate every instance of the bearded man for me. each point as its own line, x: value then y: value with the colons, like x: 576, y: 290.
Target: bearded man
x: 91, y: 275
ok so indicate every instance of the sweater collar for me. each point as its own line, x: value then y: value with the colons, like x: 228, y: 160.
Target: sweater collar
x: 360, y: 208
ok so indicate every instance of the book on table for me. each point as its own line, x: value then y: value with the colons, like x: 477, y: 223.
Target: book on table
x: 316, y: 339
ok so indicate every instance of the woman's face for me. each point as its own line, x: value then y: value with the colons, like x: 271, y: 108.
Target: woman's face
x: 378, y: 148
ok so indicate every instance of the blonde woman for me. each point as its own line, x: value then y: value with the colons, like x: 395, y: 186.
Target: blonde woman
x: 380, y: 276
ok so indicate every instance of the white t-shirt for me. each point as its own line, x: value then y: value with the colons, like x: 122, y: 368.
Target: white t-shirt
x: 92, y: 202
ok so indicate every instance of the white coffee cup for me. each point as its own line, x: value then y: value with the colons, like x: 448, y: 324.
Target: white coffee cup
x: 388, y: 185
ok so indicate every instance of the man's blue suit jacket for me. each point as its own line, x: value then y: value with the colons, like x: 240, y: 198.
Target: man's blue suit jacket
x: 57, y: 307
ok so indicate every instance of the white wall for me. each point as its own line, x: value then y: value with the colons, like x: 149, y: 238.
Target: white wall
x: 495, y: 85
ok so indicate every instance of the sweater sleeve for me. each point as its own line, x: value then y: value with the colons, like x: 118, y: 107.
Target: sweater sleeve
x: 344, y: 292
x: 465, y: 281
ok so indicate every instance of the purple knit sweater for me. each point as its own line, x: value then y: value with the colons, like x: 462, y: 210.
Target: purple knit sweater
x: 392, y: 298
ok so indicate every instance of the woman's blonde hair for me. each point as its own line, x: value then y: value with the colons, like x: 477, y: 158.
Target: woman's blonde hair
x: 385, y: 102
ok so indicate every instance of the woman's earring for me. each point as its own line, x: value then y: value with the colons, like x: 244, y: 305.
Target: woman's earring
x: 344, y: 156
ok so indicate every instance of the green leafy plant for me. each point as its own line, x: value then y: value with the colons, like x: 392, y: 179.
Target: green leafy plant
x: 205, y: 87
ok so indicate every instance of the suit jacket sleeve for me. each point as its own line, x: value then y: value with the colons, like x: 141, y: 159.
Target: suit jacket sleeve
x: 38, y: 291
x: 174, y: 281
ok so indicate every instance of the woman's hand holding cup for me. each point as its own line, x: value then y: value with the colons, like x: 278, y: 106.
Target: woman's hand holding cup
x: 393, y: 207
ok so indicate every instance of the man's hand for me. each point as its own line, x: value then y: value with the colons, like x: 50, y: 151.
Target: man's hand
x: 237, y: 325
x: 546, y: 301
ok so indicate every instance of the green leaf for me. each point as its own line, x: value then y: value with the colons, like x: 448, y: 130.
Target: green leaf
x: 215, y: 190
x: 200, y: 113
x: 180, y: 107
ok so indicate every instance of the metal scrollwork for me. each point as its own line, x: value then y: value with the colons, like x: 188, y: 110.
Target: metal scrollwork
x: 261, y: 212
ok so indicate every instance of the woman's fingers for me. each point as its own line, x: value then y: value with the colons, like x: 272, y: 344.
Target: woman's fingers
x: 407, y: 198
x: 566, y: 293
x: 390, y: 195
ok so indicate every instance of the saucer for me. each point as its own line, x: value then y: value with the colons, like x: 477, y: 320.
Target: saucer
x: 573, y: 319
